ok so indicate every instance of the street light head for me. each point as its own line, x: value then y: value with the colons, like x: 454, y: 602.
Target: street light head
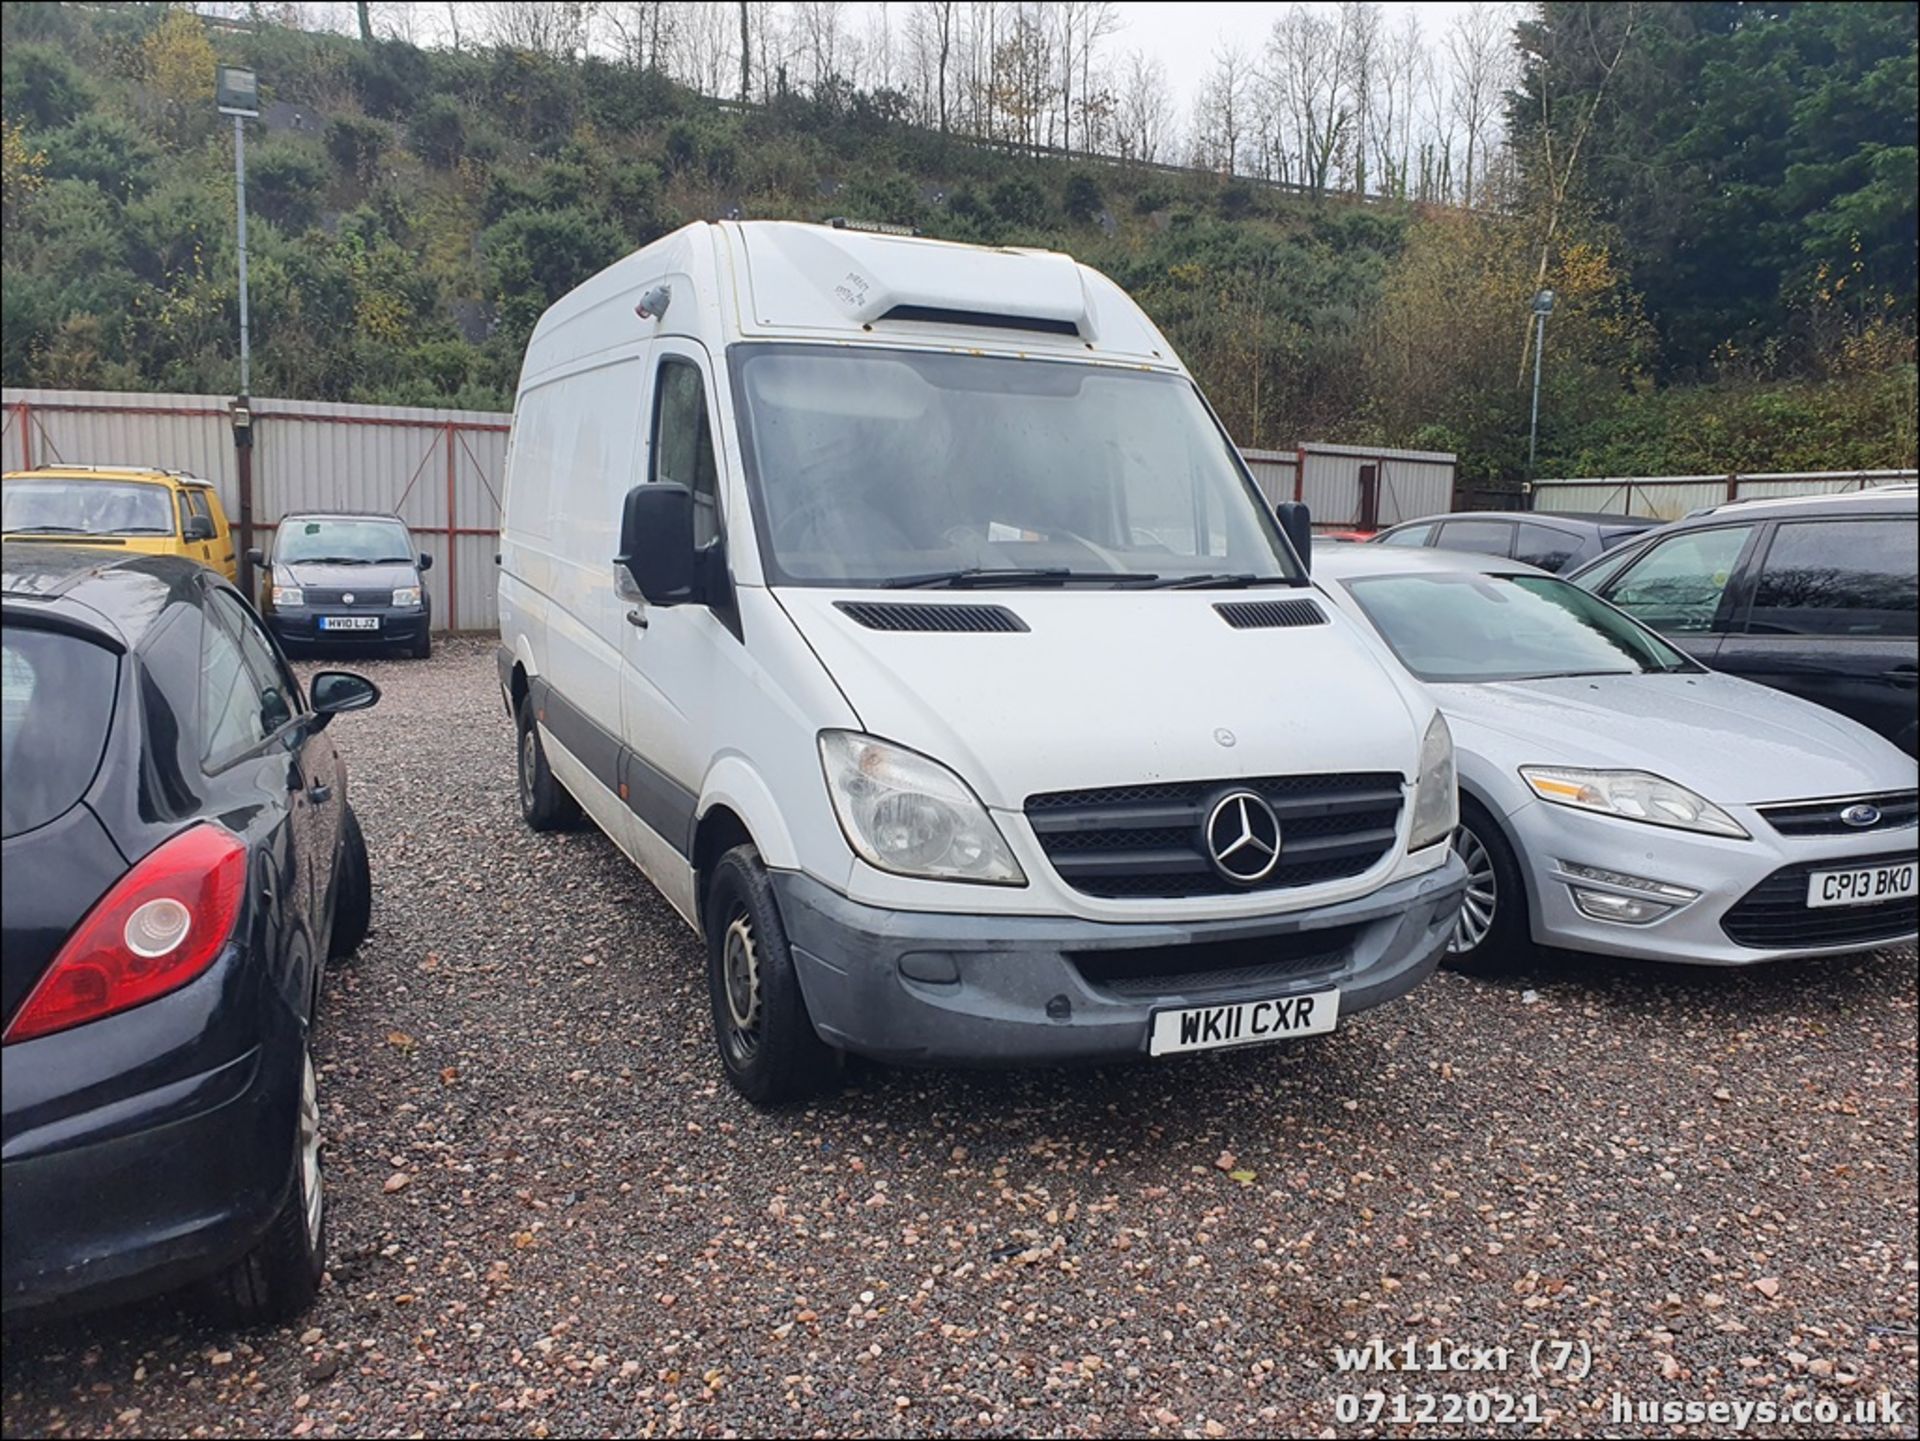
x: 1543, y: 303
x: 238, y: 91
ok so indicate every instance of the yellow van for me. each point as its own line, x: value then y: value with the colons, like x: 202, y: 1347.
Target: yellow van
x: 160, y: 512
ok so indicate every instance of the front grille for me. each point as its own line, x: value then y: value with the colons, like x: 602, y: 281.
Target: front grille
x: 1775, y: 914
x: 332, y: 595
x: 1145, y: 840
x: 1822, y: 818
x: 1207, y: 966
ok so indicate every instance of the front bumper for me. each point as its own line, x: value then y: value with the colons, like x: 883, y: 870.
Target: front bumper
x: 944, y: 989
x: 114, y: 1185
x: 1725, y: 872
x: 300, y: 625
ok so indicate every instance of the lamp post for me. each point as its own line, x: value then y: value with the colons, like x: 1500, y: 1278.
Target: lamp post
x: 238, y: 94
x: 1542, y: 308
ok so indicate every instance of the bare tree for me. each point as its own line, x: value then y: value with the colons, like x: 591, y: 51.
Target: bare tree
x: 1480, y: 55
x: 1360, y: 25
x: 821, y: 27
x: 642, y: 32
x: 558, y: 30
x: 1146, y: 107
x: 1394, y: 95
x: 1222, y: 112
x: 1307, y: 63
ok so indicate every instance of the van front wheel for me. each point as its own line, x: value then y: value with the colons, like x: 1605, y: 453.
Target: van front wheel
x: 545, y: 804
x: 767, y: 1043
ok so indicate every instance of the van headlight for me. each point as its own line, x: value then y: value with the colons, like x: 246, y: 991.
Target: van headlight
x: 1436, y: 796
x: 905, y: 813
x: 288, y: 595
x: 406, y: 595
x: 1633, y: 796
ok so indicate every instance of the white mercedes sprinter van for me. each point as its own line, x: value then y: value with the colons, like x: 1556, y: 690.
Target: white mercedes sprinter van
x: 904, y: 613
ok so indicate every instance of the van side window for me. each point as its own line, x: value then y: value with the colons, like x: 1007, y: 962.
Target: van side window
x: 683, y: 443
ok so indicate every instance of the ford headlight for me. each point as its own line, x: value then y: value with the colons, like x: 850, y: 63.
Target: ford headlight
x: 1633, y: 796
x: 1436, y: 796
x: 406, y: 595
x: 905, y: 813
x: 288, y: 595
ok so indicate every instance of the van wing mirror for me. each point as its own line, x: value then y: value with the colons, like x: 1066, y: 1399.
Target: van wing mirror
x: 426, y: 561
x: 1297, y: 522
x: 656, y: 542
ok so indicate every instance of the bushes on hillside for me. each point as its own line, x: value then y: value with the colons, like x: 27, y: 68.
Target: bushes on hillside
x: 356, y: 145
x: 42, y: 87
x: 438, y: 132
x: 284, y: 184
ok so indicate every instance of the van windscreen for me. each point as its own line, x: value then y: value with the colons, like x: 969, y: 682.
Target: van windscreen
x: 874, y: 467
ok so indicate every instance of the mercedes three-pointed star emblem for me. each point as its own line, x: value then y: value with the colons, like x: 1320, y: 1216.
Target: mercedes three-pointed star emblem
x: 1243, y: 837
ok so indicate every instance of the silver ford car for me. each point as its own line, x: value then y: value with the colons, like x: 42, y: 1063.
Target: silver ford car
x: 1616, y: 797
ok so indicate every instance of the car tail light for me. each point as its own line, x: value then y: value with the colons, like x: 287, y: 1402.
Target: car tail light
x: 161, y: 925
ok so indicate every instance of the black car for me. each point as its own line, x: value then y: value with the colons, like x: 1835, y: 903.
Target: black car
x: 1814, y: 596
x: 178, y: 859
x: 1553, y: 540
x: 346, y: 578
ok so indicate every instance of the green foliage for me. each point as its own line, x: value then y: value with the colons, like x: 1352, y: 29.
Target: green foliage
x: 356, y: 145
x: 438, y: 132
x: 1082, y: 200
x: 536, y: 256
x: 43, y: 89
x: 1019, y: 200
x: 1737, y: 148
x: 106, y: 150
x: 285, y: 184
x: 893, y: 199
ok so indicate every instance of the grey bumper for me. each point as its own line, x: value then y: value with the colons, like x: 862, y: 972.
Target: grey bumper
x: 943, y: 989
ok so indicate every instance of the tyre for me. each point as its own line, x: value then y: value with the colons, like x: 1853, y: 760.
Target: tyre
x: 545, y: 804
x: 768, y: 1046
x: 280, y: 1276
x: 422, y: 648
x: 352, y: 892
x: 1492, y: 933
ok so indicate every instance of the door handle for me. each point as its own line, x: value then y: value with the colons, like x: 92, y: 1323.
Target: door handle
x: 319, y: 793
x: 1904, y: 675
x: 637, y: 618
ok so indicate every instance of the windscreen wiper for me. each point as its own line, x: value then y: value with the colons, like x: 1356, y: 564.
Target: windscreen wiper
x: 47, y: 530
x: 981, y: 577
x: 1238, y: 580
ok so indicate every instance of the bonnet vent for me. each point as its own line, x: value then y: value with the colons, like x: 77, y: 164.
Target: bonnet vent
x: 914, y: 616
x: 1270, y: 614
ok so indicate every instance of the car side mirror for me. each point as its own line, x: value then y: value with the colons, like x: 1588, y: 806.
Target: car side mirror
x: 257, y: 555
x: 198, y: 527
x: 1296, y: 521
x: 426, y: 561
x: 334, y: 691
x: 656, y: 542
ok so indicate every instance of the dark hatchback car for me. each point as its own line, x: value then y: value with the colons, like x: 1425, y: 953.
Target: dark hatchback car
x: 1554, y: 540
x: 178, y: 859
x: 341, y: 578
x: 1814, y: 596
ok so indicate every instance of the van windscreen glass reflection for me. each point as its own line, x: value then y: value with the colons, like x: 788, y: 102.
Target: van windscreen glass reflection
x: 888, y: 468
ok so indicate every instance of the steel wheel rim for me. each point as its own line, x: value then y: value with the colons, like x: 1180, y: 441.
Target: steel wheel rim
x: 740, y: 980
x: 528, y: 755
x: 311, y: 1197
x: 1481, y: 902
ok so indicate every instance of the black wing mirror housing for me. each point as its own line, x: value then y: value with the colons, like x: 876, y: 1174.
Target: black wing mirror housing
x: 334, y: 691
x: 426, y: 561
x: 656, y: 542
x: 256, y: 555
x: 1297, y: 523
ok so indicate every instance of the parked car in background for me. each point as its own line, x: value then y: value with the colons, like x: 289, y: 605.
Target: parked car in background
x: 124, y: 508
x: 953, y: 680
x: 336, y: 578
x: 1815, y: 596
x: 1552, y: 541
x: 1619, y: 798
x: 179, y: 858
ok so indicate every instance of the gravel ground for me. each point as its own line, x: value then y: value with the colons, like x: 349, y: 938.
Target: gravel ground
x: 549, y: 1215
